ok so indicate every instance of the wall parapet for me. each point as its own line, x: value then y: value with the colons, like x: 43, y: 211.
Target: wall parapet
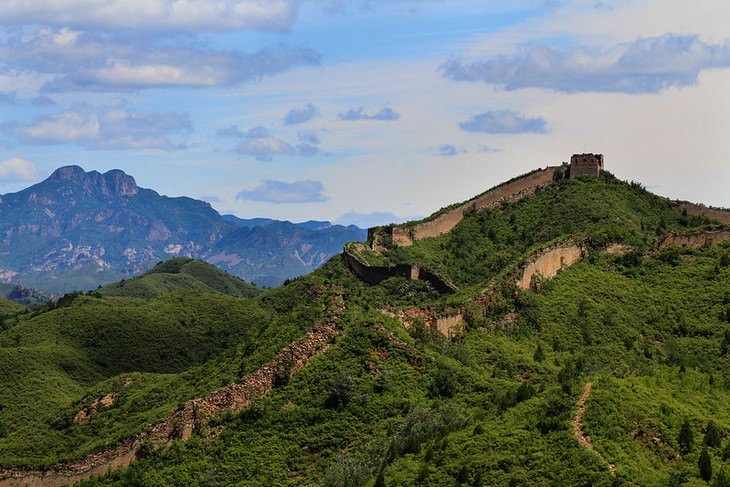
x: 374, y: 274
x: 405, y: 234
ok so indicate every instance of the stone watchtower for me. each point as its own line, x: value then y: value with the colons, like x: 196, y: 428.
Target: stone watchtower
x: 582, y: 164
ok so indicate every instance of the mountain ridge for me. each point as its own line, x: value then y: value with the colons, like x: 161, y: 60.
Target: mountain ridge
x: 76, y: 230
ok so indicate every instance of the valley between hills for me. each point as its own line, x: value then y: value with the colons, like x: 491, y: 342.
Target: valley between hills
x: 570, y: 331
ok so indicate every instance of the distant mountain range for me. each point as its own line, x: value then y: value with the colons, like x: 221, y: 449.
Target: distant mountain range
x: 77, y: 230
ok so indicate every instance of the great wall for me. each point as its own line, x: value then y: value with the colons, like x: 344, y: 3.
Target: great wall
x: 182, y: 424
x: 703, y: 238
x: 541, y: 264
x: 404, y: 235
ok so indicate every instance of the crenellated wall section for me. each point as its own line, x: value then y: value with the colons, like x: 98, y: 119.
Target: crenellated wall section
x: 404, y: 235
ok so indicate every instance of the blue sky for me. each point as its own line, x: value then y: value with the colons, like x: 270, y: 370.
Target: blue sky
x: 363, y: 111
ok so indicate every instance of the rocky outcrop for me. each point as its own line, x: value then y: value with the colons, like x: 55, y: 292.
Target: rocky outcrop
x: 182, y: 424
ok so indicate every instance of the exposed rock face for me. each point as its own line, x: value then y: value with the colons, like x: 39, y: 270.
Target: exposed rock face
x: 112, y: 183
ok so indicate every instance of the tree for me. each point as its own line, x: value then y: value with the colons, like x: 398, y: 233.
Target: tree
x: 341, y: 392
x: 705, y: 465
x: 539, y: 354
x: 713, y: 438
x: 686, y: 437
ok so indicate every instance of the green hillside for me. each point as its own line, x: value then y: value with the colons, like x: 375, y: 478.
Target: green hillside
x: 642, y: 335
x: 180, y: 273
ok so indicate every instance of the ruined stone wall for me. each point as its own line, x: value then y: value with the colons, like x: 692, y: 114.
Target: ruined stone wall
x: 373, y: 274
x: 449, y: 324
x: 548, y: 262
x: 718, y: 214
x: 705, y: 238
x: 512, y: 191
x: 195, y: 414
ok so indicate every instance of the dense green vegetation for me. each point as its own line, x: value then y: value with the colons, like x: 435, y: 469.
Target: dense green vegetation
x: 180, y: 273
x: 603, y: 210
x: 151, y: 354
x: 414, y: 409
x: 386, y: 405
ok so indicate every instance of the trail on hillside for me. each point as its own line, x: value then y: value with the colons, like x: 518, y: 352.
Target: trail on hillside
x: 577, y: 423
x: 183, y: 423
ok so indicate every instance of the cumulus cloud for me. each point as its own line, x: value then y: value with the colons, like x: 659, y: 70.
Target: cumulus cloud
x: 646, y: 65
x: 88, y: 61
x: 271, y: 191
x: 260, y: 143
x: 103, y: 128
x: 18, y: 169
x: 188, y: 15
x: 353, y: 114
x: 308, y: 137
x: 263, y: 148
x: 300, y: 115
x: 448, y: 150
x: 504, y: 122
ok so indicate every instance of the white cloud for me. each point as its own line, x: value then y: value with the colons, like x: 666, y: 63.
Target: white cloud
x: 300, y: 115
x: 271, y: 191
x: 263, y: 148
x: 154, y: 15
x: 504, y: 122
x: 448, y: 150
x: 91, y: 61
x: 18, y: 169
x: 384, y: 114
x: 108, y: 127
x: 646, y: 65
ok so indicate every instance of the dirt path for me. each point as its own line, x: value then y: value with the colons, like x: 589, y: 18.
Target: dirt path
x: 577, y: 423
x: 183, y: 423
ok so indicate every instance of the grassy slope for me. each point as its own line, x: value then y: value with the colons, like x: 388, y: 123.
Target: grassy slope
x: 180, y: 273
x: 602, y: 209
x: 152, y: 354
